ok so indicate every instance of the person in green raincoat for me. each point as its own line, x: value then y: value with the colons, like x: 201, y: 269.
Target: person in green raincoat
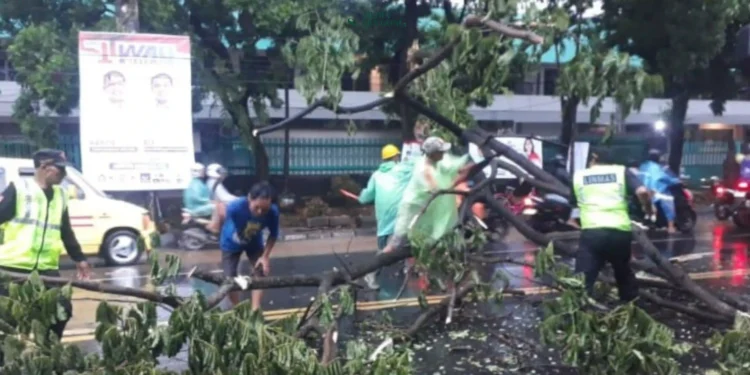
x: 197, y: 197
x: 385, y: 189
x: 436, y: 170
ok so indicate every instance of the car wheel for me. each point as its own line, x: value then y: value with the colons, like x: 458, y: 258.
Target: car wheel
x: 121, y: 248
x: 192, y: 239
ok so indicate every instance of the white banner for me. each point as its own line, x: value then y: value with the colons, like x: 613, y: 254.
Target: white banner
x: 136, y: 118
x: 581, y: 156
x: 528, y: 147
x: 411, y: 150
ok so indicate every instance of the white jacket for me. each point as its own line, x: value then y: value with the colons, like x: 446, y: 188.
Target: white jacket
x: 220, y: 193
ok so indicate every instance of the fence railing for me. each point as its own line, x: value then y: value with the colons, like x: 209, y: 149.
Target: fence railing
x: 310, y: 156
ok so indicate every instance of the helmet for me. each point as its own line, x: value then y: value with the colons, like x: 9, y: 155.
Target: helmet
x: 389, y: 151
x: 197, y: 170
x: 215, y: 170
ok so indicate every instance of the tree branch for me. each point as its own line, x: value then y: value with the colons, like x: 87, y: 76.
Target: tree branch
x: 94, y: 286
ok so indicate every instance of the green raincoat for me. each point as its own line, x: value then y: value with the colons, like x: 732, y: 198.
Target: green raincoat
x: 442, y: 215
x: 197, y: 198
x: 385, y: 189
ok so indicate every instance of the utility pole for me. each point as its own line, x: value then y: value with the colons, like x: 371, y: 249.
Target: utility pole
x: 127, y: 16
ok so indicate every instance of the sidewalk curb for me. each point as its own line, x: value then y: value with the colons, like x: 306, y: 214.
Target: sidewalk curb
x: 170, y: 239
x: 322, y: 234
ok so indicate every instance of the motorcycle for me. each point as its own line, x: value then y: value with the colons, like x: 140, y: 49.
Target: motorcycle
x: 549, y: 213
x: 733, y: 203
x: 193, y: 234
x: 685, y: 215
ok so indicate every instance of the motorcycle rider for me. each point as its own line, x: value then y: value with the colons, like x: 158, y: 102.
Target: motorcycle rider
x: 219, y: 194
x: 657, y: 178
x: 197, y: 197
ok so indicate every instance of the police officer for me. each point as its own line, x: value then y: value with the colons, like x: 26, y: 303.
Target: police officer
x: 601, y: 193
x: 34, y: 216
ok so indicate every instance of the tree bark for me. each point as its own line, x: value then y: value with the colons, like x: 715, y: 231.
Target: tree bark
x: 262, y: 169
x: 677, y: 130
x: 569, y: 109
x: 408, y: 117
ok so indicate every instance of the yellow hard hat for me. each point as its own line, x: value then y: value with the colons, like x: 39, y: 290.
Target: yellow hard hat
x: 389, y: 151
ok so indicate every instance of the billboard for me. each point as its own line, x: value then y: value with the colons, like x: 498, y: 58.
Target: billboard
x: 136, y: 119
x: 528, y: 147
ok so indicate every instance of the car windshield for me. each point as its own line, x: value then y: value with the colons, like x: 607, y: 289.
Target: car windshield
x: 80, y: 179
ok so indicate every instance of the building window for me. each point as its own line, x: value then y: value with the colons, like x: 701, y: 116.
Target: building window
x: 550, y: 81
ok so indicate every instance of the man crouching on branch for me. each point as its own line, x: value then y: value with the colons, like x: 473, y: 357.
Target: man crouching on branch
x: 433, y: 172
x: 242, y: 232
x: 34, y: 217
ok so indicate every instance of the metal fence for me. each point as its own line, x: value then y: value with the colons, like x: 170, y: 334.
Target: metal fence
x: 357, y: 156
x: 311, y: 156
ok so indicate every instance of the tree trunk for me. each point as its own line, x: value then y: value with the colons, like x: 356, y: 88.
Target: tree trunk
x: 677, y: 130
x: 569, y: 108
x: 262, y: 170
x: 407, y: 115
x: 240, y: 114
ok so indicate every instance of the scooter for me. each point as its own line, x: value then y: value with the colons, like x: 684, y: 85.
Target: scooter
x: 731, y: 202
x: 193, y: 235
x: 549, y: 213
x: 685, y: 215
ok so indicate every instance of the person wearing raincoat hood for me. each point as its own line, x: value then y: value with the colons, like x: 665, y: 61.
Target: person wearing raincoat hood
x: 385, y: 189
x: 197, y: 197
x: 436, y: 170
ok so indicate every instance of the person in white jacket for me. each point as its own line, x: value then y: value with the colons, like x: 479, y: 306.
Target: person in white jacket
x: 219, y: 194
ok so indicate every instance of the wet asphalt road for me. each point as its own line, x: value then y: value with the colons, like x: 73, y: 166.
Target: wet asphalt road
x: 717, y: 249
x: 716, y: 254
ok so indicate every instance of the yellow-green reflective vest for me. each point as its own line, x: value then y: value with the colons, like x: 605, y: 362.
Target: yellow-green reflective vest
x: 601, y: 195
x: 33, y: 240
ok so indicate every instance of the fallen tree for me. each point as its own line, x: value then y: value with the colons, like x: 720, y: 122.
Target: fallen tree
x: 239, y: 341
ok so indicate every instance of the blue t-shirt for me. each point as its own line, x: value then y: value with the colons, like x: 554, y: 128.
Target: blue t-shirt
x: 243, y: 231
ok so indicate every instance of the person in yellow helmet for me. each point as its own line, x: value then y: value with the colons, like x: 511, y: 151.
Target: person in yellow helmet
x: 385, y: 189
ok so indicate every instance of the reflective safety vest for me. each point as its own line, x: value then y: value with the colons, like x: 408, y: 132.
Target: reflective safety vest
x: 33, y: 240
x: 601, y: 195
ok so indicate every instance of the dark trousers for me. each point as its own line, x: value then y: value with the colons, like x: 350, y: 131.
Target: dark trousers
x: 59, y: 327
x: 600, y: 246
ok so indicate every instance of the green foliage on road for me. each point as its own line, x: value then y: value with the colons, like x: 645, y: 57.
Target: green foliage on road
x: 733, y: 348
x: 209, y: 341
x: 602, y: 341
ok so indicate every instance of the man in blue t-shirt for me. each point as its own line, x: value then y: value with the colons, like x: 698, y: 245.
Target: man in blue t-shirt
x: 242, y: 232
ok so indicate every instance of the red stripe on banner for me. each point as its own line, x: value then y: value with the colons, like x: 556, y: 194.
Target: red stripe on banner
x: 81, y: 217
x: 182, y: 43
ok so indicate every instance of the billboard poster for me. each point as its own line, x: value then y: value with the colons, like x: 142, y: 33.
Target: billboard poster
x: 410, y: 151
x: 528, y: 147
x: 136, y: 121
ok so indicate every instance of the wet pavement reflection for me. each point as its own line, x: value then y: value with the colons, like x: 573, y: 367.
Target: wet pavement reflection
x: 715, y: 249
